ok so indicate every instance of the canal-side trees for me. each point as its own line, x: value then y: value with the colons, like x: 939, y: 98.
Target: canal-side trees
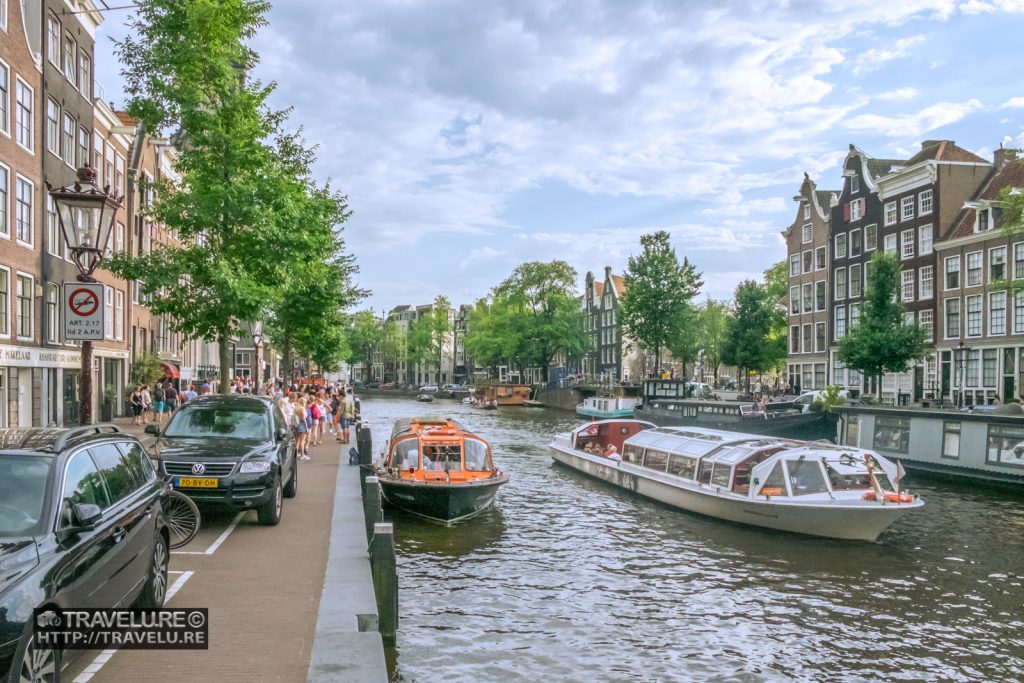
x: 656, y: 308
x: 429, y: 334
x: 748, y: 344
x: 713, y: 327
x: 882, y: 341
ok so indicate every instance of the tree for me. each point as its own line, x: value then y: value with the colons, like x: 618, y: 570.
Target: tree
x: 882, y: 341
x: 747, y: 344
x: 365, y: 333
x: 429, y: 334
x: 488, y: 340
x: 656, y: 311
x: 147, y: 369
x: 238, y: 201
x: 776, y: 285
x: 713, y: 326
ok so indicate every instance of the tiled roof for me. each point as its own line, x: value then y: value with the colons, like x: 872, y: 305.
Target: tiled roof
x: 620, y: 284
x: 1012, y: 175
x: 943, y: 150
x: 127, y: 120
x: 825, y: 198
x: 880, y: 167
x: 598, y: 288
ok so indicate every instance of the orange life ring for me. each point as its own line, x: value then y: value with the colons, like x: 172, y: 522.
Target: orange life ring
x: 890, y: 497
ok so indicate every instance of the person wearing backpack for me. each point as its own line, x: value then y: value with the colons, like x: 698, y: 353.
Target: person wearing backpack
x: 159, y: 403
x: 172, y: 397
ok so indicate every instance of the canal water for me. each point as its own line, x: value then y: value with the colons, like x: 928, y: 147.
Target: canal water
x: 568, y: 579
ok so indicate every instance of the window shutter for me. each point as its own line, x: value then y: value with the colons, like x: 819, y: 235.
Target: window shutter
x: 846, y: 211
x: 862, y: 207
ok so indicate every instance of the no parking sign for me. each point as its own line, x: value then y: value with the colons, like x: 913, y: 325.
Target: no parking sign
x: 83, y: 311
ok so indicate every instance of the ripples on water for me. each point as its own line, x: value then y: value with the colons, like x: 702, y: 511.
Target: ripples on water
x: 569, y: 579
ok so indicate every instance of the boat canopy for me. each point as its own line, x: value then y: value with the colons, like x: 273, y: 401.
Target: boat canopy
x: 420, y: 445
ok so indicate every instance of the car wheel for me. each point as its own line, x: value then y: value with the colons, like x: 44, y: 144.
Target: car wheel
x: 155, y: 591
x: 293, y: 483
x: 32, y: 663
x: 269, y: 514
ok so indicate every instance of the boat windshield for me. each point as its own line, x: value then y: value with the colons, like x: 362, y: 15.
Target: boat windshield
x: 442, y: 455
x: 477, y: 459
x: 805, y: 477
x: 406, y: 454
x: 844, y: 477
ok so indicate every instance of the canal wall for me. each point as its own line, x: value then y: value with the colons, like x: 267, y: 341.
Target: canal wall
x: 566, y: 398
x: 348, y: 647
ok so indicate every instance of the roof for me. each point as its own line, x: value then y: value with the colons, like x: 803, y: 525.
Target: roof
x: 233, y: 400
x: 598, y: 288
x: 126, y: 119
x: 880, y: 167
x: 1011, y: 175
x: 620, y: 284
x: 52, y: 439
x: 944, y: 150
x: 412, y: 425
x: 824, y: 198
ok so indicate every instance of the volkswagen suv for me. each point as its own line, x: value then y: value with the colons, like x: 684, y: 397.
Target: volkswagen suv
x: 82, y: 525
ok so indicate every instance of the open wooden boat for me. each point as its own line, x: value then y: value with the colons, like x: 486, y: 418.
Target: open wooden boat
x: 814, y: 488
x: 436, y: 469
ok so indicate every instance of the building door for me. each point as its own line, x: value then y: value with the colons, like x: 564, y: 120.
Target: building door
x: 72, y: 379
x: 946, y: 374
x: 918, y: 383
x: 3, y: 397
x: 25, y: 397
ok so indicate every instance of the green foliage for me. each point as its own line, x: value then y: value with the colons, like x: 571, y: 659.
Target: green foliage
x: 429, y: 334
x: 749, y: 343
x: 882, y: 341
x: 776, y: 286
x: 656, y: 309
x: 147, y: 369
x: 365, y: 334
x: 828, y: 400
x: 713, y: 327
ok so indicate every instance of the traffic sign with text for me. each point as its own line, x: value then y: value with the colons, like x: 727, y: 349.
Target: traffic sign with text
x: 83, y: 311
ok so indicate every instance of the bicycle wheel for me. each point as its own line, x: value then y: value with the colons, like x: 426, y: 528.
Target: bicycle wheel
x: 183, y: 518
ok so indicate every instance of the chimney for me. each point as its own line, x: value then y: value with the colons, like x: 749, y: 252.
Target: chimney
x: 607, y: 272
x: 1003, y: 156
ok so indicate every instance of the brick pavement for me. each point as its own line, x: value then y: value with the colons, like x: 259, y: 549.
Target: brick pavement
x: 262, y: 587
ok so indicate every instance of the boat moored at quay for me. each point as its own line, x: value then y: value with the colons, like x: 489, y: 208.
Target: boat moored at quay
x: 435, y: 468
x: 816, y: 488
x: 604, y: 407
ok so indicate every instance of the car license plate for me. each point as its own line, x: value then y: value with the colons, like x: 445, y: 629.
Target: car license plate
x: 196, y: 483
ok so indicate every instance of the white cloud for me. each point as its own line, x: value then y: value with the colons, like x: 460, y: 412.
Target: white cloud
x: 876, y: 58
x: 990, y: 6
x: 896, y: 95
x: 1013, y: 103
x: 478, y: 256
x: 914, y: 124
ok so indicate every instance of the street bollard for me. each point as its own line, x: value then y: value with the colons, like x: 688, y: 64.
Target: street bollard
x: 364, y: 441
x: 372, y: 512
x: 385, y: 580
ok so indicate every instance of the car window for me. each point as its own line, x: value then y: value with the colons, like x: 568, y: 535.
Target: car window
x: 117, y: 471
x: 22, y: 492
x: 82, y: 484
x: 221, y: 422
x: 138, y: 461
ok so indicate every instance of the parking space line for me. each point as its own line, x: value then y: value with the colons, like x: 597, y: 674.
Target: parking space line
x: 104, y: 657
x: 217, y: 543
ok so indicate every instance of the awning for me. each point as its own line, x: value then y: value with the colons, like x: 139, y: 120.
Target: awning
x: 171, y: 370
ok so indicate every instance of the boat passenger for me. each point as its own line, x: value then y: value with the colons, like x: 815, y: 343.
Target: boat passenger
x: 612, y: 452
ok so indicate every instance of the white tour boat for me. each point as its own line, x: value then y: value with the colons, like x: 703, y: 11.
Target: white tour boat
x: 814, y: 488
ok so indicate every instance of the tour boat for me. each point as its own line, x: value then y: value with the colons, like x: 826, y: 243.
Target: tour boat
x: 436, y: 469
x: 814, y: 488
x: 604, y: 407
x: 425, y: 398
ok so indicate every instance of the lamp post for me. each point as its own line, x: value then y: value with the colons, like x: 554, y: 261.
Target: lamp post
x: 960, y: 359
x: 86, y: 215
x: 256, y: 332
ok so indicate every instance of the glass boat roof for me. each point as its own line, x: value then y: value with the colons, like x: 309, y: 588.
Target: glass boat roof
x: 731, y: 448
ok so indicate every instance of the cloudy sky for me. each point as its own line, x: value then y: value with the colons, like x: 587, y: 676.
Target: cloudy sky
x: 473, y: 136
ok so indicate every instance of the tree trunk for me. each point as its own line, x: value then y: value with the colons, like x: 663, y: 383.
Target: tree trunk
x: 657, y: 361
x: 224, y: 346
x: 878, y: 389
x: 286, y: 359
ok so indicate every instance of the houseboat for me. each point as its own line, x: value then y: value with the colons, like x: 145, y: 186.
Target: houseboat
x: 604, y: 407
x: 506, y: 394
x: 983, y: 444
x: 664, y: 402
x: 815, y: 488
x: 436, y: 469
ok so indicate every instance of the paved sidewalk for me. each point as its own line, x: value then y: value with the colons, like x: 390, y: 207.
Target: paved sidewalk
x: 262, y: 586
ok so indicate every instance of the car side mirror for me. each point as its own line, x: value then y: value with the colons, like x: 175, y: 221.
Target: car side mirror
x: 85, y: 515
x: 281, y: 433
x: 153, y: 429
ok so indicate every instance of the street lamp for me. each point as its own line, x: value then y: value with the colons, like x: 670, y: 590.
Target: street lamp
x: 256, y: 332
x: 86, y: 215
x: 960, y: 352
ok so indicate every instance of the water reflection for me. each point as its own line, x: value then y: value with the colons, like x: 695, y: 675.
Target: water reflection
x: 573, y: 580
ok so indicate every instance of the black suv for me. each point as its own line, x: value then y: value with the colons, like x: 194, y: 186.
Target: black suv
x: 81, y: 525
x: 233, y: 450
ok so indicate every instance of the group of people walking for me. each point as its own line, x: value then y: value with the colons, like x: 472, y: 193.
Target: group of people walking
x: 152, y: 405
x: 316, y: 413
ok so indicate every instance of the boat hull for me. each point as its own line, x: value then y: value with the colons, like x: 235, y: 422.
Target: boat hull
x: 805, y: 426
x: 603, y: 414
x: 441, y: 501
x: 841, y: 521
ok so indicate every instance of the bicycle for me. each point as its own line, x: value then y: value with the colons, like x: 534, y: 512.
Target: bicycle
x: 183, y: 518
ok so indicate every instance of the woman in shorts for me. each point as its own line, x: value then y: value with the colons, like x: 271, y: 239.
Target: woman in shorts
x: 300, y: 427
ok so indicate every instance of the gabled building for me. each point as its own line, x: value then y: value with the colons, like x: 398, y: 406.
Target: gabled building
x: 807, y: 246
x: 611, y: 356
x: 980, y: 335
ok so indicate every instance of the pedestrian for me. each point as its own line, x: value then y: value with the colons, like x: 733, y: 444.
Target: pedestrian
x: 191, y: 394
x: 172, y: 397
x: 159, y: 403
x: 299, y: 427
x: 349, y: 414
x: 137, y: 405
x: 205, y: 389
x: 147, y: 404
x: 314, y: 427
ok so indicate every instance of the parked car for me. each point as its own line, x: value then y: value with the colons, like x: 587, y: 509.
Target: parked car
x: 81, y: 525
x: 386, y: 385
x: 805, y: 399
x: 234, y: 450
x: 428, y: 389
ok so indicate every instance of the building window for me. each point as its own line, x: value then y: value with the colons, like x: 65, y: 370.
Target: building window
x: 24, y: 213
x: 924, y: 202
x: 855, y: 210
x: 5, y: 94
x: 5, y: 196
x: 925, y: 321
x: 119, y: 175
x: 855, y: 245
x: 971, y: 369
x: 119, y: 315
x: 806, y: 233
x: 5, y: 302
x: 68, y: 138
x: 23, y: 108
x: 892, y: 434
x: 890, y: 213
x: 907, y: 244
x: 819, y: 337
x: 840, y: 327
x: 821, y: 259
x: 925, y: 285
x: 841, y: 245
x: 808, y: 261
x: 108, y: 175
x: 108, y: 312
x: 807, y: 211
x: 52, y: 126
x: 53, y: 237
x: 119, y: 239
x: 855, y: 280
x: 85, y: 74
x: 840, y: 291
x: 907, y: 289
x: 997, y: 313
x: 973, y: 315
x: 996, y: 264
x: 1018, y: 313
x: 52, y: 312
x: 870, y: 238
x: 794, y: 300
x: 952, y: 272
x: 984, y: 220
x: 808, y: 338
x: 70, y: 64
x: 952, y: 318
x: 53, y: 40
x: 924, y: 240
x: 794, y: 339
x: 97, y: 157
x: 819, y: 295
x: 854, y: 315
x: 83, y: 147
x: 808, y: 296
x: 974, y: 269
x: 794, y: 265
x: 906, y: 208
x: 1002, y: 442
x: 854, y: 184
x: 1018, y: 260
x: 24, y: 295
x: 951, y: 440
x: 890, y: 244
